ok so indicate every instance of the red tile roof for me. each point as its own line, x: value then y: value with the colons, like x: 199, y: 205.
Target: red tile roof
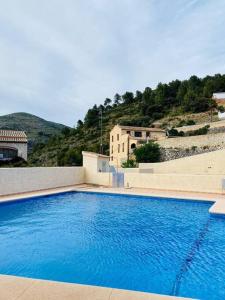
x: 141, y: 128
x: 13, y: 136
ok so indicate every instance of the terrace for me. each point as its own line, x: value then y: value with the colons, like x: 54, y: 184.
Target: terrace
x: 198, y: 183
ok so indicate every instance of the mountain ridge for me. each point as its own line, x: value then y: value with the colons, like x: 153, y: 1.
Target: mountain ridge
x: 37, y: 129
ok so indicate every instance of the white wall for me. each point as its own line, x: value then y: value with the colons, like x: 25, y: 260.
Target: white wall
x: 21, y: 147
x: 19, y: 180
x: 92, y: 163
x: 177, y: 182
x: 207, y: 163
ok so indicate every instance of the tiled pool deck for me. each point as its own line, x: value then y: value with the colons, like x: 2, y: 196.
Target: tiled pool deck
x: 13, y: 288
x: 19, y: 288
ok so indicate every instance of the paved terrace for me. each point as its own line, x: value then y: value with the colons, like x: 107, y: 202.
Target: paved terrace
x: 18, y: 288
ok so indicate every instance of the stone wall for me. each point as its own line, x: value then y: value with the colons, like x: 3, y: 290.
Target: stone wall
x: 175, y: 153
x: 208, y: 140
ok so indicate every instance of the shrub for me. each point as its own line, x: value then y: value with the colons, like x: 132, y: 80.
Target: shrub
x: 181, y: 123
x: 221, y: 109
x: 130, y: 163
x: 147, y: 153
x: 71, y: 157
x: 190, y: 122
x: 175, y: 132
x: 200, y: 131
x: 186, y: 123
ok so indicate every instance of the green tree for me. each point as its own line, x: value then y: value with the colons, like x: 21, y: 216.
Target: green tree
x: 107, y: 102
x: 92, y: 117
x: 117, y: 99
x: 130, y: 163
x: 128, y: 98
x: 66, y: 131
x: 79, y: 124
x: 138, y: 96
x: 221, y: 109
x: 148, y: 153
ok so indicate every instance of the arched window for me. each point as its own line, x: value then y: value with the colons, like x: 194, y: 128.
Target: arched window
x: 133, y: 146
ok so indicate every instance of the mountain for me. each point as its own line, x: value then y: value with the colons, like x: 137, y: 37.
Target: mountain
x: 37, y: 129
x: 177, y: 102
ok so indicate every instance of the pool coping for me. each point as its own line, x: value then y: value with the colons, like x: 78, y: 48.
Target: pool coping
x: 21, y: 288
x: 218, y: 208
x: 14, y: 287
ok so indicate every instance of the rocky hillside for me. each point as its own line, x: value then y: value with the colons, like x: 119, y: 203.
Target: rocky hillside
x: 37, y: 129
x: 175, y: 103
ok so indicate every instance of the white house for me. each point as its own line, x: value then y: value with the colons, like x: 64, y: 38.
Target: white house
x: 219, y: 96
x: 13, y: 144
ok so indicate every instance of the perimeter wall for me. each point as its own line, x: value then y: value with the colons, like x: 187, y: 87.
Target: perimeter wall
x: 176, y: 182
x: 207, y: 163
x: 20, y: 180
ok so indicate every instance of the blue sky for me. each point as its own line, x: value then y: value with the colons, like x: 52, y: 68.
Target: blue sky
x: 59, y: 57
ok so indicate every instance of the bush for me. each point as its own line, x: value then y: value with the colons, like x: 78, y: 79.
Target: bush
x: 175, y: 132
x: 181, y: 123
x: 186, y: 123
x: 130, y: 163
x: 147, y: 153
x: 71, y: 157
x: 190, y: 122
x: 200, y: 131
x: 15, y: 162
x: 221, y: 109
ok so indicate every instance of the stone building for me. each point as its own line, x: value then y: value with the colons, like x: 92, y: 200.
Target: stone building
x: 13, y: 144
x: 124, y: 139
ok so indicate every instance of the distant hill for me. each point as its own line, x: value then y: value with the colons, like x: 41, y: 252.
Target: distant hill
x: 37, y: 129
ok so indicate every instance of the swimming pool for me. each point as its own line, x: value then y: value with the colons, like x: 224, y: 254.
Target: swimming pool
x: 149, y: 244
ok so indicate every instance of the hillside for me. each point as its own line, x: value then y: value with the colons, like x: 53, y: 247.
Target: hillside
x: 177, y: 101
x: 37, y: 129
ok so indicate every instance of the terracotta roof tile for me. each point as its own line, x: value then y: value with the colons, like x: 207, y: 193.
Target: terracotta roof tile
x: 13, y: 136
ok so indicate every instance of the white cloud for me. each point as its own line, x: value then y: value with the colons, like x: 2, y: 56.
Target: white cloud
x: 58, y: 57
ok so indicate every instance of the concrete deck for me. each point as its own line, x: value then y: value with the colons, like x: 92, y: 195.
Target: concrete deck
x: 217, y: 208
x: 19, y: 288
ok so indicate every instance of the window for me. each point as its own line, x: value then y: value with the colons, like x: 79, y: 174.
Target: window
x: 112, y: 138
x: 123, y: 147
x: 128, y: 132
x: 118, y: 137
x: 112, y: 150
x: 133, y: 146
x: 118, y: 148
x: 138, y: 134
x: 8, y: 153
x: 111, y: 158
x: 147, y: 134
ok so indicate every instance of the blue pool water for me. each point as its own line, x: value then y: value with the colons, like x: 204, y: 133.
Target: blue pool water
x: 147, y: 244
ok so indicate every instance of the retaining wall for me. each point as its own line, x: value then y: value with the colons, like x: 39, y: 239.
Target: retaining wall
x: 217, y: 139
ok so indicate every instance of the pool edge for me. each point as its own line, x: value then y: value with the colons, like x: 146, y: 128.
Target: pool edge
x: 22, y: 288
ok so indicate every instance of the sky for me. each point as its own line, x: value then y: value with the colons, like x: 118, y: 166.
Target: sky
x: 60, y: 57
